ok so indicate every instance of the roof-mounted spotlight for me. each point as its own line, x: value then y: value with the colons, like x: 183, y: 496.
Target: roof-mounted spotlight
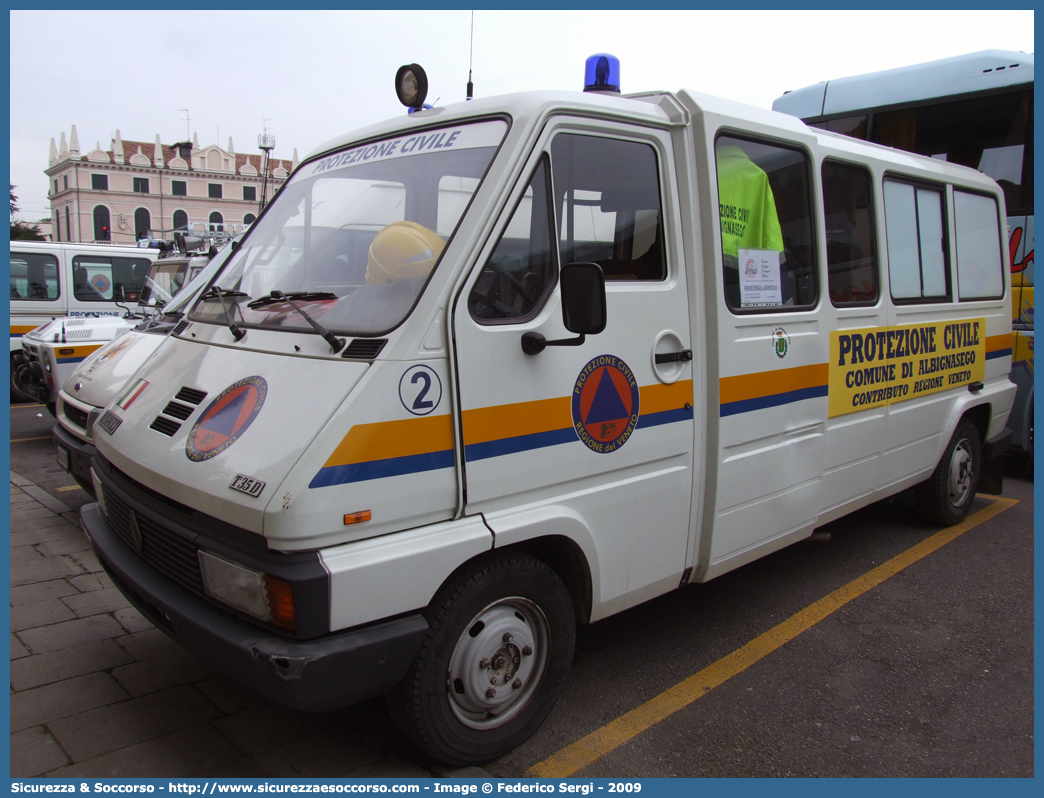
x: 602, y: 74
x: 411, y: 86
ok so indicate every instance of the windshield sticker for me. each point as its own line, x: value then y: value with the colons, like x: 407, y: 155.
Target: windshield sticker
x: 226, y: 418
x: 465, y: 137
x: 605, y: 404
x: 420, y: 390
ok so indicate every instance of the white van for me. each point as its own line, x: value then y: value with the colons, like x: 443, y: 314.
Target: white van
x: 51, y: 280
x: 104, y: 373
x: 52, y: 351
x: 665, y: 335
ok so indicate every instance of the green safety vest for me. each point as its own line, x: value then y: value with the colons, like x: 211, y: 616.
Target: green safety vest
x: 745, y: 204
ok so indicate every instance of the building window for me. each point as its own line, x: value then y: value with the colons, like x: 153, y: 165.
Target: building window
x: 142, y: 223
x: 250, y: 193
x: 65, y: 181
x: 214, y: 190
x: 141, y: 185
x: 216, y: 222
x: 180, y: 220
x: 100, y: 182
x: 68, y: 229
x: 56, y: 185
x: 179, y: 188
x: 249, y: 218
x: 101, y: 224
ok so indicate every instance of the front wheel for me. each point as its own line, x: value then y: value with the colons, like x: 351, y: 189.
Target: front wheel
x: 946, y: 497
x: 498, y: 649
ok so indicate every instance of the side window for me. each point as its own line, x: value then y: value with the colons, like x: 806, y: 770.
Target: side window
x: 102, y: 279
x: 34, y: 276
x: 521, y: 271
x: 607, y: 192
x: 979, y: 250
x: 129, y: 274
x: 917, y: 258
x: 848, y: 210
x: 92, y: 279
x: 765, y: 209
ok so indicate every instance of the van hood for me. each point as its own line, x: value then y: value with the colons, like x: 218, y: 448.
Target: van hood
x: 102, y: 375
x: 197, y: 415
x: 81, y: 330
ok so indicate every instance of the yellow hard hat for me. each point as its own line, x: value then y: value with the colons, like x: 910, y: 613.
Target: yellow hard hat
x: 402, y: 250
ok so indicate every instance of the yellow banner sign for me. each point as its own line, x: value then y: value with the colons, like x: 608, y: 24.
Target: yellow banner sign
x: 883, y: 365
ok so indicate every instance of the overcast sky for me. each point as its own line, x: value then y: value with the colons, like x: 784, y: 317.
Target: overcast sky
x: 311, y: 76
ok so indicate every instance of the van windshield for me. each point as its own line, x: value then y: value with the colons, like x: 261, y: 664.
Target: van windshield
x: 164, y: 281
x: 353, y: 237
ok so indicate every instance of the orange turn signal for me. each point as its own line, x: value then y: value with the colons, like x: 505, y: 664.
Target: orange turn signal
x: 357, y: 518
x: 280, y: 597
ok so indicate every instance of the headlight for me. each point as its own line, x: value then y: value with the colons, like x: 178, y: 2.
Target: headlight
x: 99, y: 492
x: 265, y: 597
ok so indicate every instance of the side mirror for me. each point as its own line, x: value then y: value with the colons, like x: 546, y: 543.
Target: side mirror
x: 583, y: 298
x: 583, y: 307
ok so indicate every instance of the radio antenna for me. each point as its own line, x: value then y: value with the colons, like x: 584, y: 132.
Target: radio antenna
x: 471, y: 56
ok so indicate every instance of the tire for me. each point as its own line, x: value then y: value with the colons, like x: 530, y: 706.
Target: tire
x: 500, y: 643
x: 16, y: 395
x: 945, y: 498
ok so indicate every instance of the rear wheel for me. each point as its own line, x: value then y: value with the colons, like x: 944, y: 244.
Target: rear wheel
x: 500, y: 644
x: 946, y: 497
x: 17, y: 395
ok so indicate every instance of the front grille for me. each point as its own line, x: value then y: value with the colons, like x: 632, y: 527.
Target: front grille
x: 165, y: 551
x: 191, y: 395
x: 76, y: 416
x: 178, y: 410
x: 165, y: 425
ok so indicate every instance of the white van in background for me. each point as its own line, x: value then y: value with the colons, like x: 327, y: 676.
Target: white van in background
x: 49, y: 280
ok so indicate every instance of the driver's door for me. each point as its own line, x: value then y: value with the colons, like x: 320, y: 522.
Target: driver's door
x: 600, y: 434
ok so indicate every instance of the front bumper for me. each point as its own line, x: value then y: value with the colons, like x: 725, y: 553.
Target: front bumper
x: 80, y: 454
x: 318, y: 675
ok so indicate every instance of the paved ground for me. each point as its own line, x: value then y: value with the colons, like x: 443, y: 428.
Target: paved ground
x: 930, y: 674
x: 96, y: 690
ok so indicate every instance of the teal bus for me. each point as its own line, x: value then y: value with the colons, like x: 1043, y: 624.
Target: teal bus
x: 975, y: 110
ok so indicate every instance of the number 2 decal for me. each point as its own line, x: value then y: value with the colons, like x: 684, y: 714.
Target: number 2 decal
x: 420, y: 390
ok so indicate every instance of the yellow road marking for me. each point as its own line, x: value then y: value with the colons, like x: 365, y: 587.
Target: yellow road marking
x: 67, y: 488
x: 24, y: 440
x: 629, y: 725
x: 19, y: 407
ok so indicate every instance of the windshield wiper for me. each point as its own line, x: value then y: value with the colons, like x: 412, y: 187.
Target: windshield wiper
x: 217, y: 292
x: 272, y: 299
x: 337, y: 344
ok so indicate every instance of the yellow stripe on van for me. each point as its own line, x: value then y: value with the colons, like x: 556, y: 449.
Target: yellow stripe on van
x: 998, y: 343
x: 485, y: 424
x: 386, y: 440
x: 21, y: 329
x: 769, y: 383
x: 658, y: 398
x: 74, y: 354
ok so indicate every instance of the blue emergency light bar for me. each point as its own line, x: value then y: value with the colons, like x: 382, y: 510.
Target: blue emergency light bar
x: 602, y: 73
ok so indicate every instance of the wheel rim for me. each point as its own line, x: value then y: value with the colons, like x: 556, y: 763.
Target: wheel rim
x: 498, y: 663
x: 960, y: 482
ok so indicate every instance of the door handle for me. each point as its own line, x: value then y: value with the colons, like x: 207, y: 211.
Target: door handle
x: 674, y: 357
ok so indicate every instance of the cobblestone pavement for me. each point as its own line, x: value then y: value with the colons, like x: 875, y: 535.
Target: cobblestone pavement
x: 97, y: 690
